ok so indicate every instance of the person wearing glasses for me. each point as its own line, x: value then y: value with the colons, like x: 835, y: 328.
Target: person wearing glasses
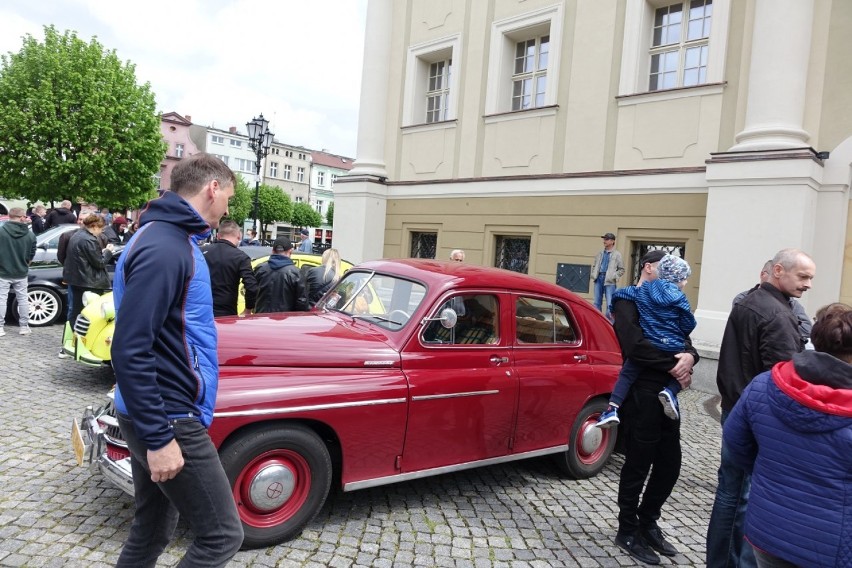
x: 457, y: 255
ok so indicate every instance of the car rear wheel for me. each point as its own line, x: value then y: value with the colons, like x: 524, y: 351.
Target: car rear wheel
x: 46, y: 306
x: 590, y: 446
x: 280, y: 477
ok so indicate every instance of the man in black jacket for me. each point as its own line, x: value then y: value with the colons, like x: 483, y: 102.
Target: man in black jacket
x: 651, y: 440
x: 62, y: 215
x: 228, y: 264
x: 762, y: 330
x: 279, y: 282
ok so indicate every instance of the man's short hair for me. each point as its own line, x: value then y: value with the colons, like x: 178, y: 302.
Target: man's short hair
x: 193, y: 173
x: 455, y: 252
x: 282, y: 244
x: 93, y: 220
x: 40, y: 208
x: 229, y: 228
x: 66, y: 204
x: 17, y: 213
x: 789, y: 257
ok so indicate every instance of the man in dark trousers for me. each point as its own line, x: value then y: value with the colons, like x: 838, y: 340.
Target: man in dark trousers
x: 762, y: 330
x: 228, y: 264
x: 651, y: 440
x: 279, y: 282
x: 167, y: 372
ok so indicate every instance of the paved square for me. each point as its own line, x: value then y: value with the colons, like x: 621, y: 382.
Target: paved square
x: 53, y: 513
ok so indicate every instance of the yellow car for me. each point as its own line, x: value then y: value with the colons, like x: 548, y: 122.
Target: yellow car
x: 90, y: 340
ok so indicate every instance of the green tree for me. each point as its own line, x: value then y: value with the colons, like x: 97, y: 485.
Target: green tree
x: 75, y: 123
x: 274, y: 205
x: 329, y: 215
x: 240, y: 206
x: 305, y: 216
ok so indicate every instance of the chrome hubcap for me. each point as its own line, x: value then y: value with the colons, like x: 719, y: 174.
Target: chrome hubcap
x: 271, y: 487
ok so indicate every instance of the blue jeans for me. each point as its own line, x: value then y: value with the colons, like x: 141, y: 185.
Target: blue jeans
x: 200, y: 492
x: 726, y: 545
x: 628, y: 375
x: 600, y: 290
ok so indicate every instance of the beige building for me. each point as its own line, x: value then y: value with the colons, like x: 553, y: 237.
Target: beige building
x: 522, y: 130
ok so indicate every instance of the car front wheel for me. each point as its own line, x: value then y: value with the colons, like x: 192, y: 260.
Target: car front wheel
x: 589, y: 446
x: 46, y: 306
x: 280, y: 477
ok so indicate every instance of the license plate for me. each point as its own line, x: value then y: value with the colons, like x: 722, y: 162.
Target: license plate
x: 77, y: 442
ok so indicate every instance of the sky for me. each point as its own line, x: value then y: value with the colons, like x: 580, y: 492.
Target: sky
x: 301, y: 68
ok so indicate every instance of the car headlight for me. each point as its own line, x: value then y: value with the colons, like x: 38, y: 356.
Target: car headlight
x: 108, y: 310
x: 89, y: 296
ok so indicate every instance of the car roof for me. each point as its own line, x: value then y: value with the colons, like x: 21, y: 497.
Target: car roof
x: 443, y: 273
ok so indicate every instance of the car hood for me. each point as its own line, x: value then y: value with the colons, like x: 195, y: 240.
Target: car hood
x: 298, y: 339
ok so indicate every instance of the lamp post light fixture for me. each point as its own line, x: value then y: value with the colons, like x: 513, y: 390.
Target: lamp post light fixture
x: 260, y: 140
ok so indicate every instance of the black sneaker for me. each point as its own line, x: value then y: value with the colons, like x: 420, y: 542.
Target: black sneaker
x: 656, y: 540
x: 636, y: 547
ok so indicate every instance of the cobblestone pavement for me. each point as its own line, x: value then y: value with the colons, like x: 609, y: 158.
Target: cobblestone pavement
x: 523, y: 514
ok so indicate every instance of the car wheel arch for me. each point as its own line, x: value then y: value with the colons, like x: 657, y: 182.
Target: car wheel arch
x: 580, y: 463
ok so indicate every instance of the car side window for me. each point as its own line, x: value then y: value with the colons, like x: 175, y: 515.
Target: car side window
x: 540, y: 321
x: 478, y: 322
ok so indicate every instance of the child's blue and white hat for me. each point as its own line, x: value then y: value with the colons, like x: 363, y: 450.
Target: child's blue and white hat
x: 673, y: 269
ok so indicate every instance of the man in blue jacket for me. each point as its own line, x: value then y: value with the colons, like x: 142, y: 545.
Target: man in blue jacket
x: 164, y: 355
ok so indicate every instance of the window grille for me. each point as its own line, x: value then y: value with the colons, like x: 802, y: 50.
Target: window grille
x: 423, y: 245
x: 513, y: 253
x: 642, y: 247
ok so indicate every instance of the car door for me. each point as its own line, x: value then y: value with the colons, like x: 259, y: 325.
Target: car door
x: 552, y: 366
x: 463, y: 391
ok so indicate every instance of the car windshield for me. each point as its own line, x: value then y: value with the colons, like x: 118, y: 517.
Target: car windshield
x: 387, y: 301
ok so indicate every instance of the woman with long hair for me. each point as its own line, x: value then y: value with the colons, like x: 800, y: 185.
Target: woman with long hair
x: 792, y: 428
x: 320, y: 279
x: 85, y: 264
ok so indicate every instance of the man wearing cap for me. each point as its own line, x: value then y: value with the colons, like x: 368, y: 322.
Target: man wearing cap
x: 279, y: 282
x: 116, y: 232
x: 606, y: 271
x: 305, y: 245
x: 651, y: 440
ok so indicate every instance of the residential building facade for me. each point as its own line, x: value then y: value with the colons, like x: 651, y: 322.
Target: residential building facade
x: 718, y: 130
x: 325, y: 169
x: 176, y: 133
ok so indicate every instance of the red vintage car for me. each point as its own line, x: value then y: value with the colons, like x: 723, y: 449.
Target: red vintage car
x: 408, y: 368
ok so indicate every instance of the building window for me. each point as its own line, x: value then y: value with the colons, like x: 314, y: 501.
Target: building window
x: 236, y: 143
x: 299, y: 199
x: 430, y: 87
x: 300, y: 174
x: 288, y: 153
x: 301, y: 156
x: 679, y: 45
x: 671, y: 43
x: 223, y: 158
x: 523, y: 68
x: 438, y: 91
x: 529, y: 80
x: 273, y: 169
x: 512, y: 253
x: 319, y: 206
x: 217, y: 139
x: 179, y: 150
x: 246, y: 166
x: 320, y: 179
x: 423, y: 245
x: 641, y: 247
x: 288, y: 171
x: 333, y: 179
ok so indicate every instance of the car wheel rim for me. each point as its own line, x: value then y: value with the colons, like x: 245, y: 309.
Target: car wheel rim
x: 591, y: 441
x: 272, y: 488
x: 43, y: 306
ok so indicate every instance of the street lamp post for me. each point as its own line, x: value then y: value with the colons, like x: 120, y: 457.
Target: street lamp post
x: 260, y: 140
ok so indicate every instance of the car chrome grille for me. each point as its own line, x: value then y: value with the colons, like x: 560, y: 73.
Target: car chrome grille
x: 81, y: 326
x: 112, y: 433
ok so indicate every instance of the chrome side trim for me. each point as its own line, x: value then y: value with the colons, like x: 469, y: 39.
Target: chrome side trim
x: 453, y: 395
x: 117, y: 472
x: 450, y: 468
x: 307, y: 408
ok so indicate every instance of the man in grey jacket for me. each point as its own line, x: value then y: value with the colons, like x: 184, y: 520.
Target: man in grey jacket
x: 17, y: 249
x: 606, y: 271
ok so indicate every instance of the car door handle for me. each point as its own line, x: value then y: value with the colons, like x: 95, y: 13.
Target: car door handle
x: 499, y: 360
x: 580, y: 357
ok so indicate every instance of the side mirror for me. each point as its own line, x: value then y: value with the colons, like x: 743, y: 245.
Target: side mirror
x: 448, y: 318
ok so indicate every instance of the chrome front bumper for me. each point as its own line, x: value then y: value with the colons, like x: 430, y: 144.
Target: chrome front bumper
x: 117, y: 472
x: 89, y: 441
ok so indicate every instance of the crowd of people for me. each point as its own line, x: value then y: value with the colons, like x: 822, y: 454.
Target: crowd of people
x: 782, y: 498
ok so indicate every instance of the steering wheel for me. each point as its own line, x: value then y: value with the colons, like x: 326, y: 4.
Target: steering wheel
x: 404, y: 314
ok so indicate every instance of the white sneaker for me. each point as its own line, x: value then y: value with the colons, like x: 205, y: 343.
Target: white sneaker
x: 2, y: 332
x: 25, y: 330
x: 63, y: 355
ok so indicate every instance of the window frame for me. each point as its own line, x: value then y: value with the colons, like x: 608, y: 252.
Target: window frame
x: 217, y: 139
x: 179, y: 150
x: 288, y: 171
x: 273, y: 169
x: 636, y: 48
x: 300, y: 174
x: 419, y: 59
x: 505, y: 35
x: 320, y: 178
